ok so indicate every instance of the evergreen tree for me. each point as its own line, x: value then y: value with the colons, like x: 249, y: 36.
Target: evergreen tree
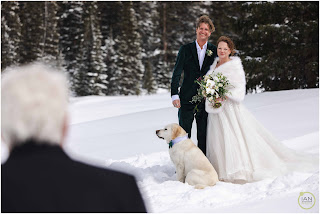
x: 32, y: 16
x: 110, y: 61
x: 127, y: 78
x: 178, y: 25
x: 169, y: 48
x: 10, y: 33
x: 93, y: 56
x: 110, y: 13
x: 50, y: 47
x: 224, y: 16
x: 39, y: 40
x: 280, y: 43
x: 148, y: 27
x: 71, y: 45
x: 122, y: 47
x: 149, y: 82
x: 110, y: 18
x: 188, y: 22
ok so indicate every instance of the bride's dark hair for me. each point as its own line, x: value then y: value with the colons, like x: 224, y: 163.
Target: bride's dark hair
x: 229, y: 42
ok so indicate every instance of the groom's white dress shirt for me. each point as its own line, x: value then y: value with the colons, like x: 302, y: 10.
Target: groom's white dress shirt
x: 201, y: 55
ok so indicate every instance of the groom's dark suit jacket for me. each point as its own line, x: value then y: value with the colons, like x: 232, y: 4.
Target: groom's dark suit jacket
x: 42, y: 178
x: 187, y: 61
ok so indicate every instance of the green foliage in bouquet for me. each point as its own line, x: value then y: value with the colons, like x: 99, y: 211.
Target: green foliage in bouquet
x: 212, y: 87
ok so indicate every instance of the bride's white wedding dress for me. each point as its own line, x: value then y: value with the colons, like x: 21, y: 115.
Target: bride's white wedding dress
x: 238, y: 146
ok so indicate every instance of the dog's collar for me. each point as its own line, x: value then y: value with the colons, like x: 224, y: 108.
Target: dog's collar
x: 177, y: 140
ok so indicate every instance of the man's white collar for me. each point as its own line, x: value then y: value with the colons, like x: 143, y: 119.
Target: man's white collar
x: 204, y: 46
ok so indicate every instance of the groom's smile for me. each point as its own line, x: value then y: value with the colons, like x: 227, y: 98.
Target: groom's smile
x: 203, y: 32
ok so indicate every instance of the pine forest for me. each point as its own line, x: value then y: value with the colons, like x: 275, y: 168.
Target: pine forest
x: 130, y: 48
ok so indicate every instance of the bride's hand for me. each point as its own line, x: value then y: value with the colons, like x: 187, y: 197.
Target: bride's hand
x: 219, y: 100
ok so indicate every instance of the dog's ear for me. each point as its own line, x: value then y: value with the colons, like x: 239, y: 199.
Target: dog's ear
x: 176, y: 130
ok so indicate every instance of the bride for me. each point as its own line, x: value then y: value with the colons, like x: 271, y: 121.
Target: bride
x: 238, y: 146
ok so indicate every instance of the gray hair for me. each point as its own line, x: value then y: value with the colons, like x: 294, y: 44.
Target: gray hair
x: 34, y: 103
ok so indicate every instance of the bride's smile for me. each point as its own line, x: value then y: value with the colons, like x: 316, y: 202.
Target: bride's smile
x: 223, y: 52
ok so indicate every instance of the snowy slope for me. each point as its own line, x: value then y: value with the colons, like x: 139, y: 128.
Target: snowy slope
x: 101, y: 126
x: 119, y: 133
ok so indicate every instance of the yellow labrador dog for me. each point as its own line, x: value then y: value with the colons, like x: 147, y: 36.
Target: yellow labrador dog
x: 191, y: 164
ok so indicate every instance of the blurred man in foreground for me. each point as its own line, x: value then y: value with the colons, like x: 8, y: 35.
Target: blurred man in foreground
x: 38, y: 176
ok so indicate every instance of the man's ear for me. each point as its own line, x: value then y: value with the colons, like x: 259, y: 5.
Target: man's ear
x: 65, y: 129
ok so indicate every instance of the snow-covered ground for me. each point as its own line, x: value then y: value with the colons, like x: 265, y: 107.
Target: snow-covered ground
x: 119, y: 133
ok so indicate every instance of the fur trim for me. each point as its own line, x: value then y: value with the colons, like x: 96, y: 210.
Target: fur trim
x: 233, y: 70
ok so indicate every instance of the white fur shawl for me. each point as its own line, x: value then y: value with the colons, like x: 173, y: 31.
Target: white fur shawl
x: 233, y: 70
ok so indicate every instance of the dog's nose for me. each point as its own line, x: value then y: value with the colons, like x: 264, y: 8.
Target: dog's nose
x: 157, y: 131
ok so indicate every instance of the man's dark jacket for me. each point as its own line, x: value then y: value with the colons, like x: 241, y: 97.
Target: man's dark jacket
x: 42, y: 178
x: 187, y: 61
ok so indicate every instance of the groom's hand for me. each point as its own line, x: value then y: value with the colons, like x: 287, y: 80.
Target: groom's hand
x: 176, y: 103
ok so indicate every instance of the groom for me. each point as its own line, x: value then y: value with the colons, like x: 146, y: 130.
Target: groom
x: 194, y: 59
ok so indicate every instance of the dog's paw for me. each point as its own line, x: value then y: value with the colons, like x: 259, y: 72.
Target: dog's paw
x: 200, y: 186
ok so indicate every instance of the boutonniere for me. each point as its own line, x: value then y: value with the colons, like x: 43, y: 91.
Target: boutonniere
x: 209, y: 52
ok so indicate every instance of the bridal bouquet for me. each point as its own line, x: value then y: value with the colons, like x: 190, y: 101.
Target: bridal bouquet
x: 211, y: 88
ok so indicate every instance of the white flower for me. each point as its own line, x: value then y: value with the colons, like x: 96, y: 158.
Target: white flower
x: 210, y: 91
x: 210, y: 83
x: 220, y: 85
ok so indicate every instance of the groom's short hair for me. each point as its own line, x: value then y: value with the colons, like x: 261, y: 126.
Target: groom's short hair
x: 207, y: 20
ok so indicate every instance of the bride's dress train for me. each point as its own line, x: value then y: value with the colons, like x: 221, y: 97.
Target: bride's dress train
x: 238, y: 146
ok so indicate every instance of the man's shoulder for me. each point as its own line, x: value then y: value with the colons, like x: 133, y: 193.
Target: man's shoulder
x: 120, y: 186
x: 102, y: 171
x: 190, y: 44
x: 62, y: 162
x: 187, y: 47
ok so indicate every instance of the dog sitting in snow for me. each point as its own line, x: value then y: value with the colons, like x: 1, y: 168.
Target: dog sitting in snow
x: 192, y: 166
